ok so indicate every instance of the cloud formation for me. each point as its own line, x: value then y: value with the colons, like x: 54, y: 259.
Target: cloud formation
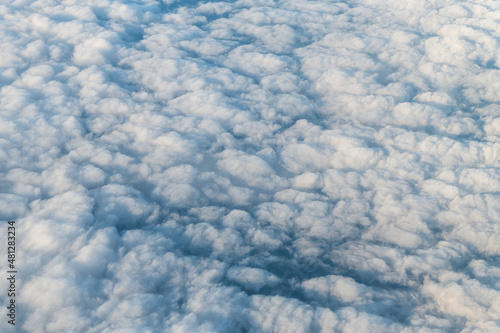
x: 252, y: 166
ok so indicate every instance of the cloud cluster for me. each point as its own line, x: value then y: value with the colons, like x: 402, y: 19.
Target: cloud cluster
x: 252, y: 166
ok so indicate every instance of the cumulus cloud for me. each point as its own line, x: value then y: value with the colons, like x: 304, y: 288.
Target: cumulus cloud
x: 251, y: 166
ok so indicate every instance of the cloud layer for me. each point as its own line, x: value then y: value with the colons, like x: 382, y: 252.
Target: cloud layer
x: 252, y: 166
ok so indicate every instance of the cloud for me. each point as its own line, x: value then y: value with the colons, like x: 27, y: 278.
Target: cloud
x: 251, y: 166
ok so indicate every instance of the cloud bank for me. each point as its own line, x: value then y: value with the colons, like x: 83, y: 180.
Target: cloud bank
x: 252, y: 166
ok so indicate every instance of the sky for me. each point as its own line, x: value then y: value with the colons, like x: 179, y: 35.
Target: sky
x: 251, y: 166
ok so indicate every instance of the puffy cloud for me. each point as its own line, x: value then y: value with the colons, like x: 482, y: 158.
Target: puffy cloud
x: 252, y: 166
x: 252, y: 279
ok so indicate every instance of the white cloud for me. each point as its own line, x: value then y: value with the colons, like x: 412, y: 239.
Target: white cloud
x: 251, y: 278
x: 252, y: 166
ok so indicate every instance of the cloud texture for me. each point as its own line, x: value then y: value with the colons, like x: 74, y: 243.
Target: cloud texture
x: 252, y: 166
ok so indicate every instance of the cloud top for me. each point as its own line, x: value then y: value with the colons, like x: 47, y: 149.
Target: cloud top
x: 252, y: 166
